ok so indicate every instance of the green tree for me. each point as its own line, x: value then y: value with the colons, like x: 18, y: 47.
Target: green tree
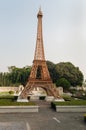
x: 19, y: 75
x: 68, y: 71
x: 52, y: 70
x: 63, y: 83
x: 1, y: 79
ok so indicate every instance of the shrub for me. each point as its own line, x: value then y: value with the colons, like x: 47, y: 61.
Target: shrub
x: 73, y: 103
x: 11, y: 101
x: 67, y: 98
x: 11, y: 92
x: 64, y: 83
x: 73, y: 91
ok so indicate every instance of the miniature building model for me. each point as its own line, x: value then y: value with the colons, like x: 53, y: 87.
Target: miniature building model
x: 39, y: 76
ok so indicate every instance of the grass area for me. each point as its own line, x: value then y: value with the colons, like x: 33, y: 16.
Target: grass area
x: 11, y: 101
x: 72, y: 102
x: 4, y: 93
x: 69, y: 103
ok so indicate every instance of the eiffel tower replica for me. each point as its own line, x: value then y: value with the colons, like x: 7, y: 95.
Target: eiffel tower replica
x: 39, y: 76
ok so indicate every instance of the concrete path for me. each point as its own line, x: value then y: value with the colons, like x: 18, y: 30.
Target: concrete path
x: 45, y: 119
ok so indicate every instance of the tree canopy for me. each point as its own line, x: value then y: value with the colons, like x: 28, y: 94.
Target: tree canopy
x: 15, y: 76
x: 67, y: 70
x: 64, y: 83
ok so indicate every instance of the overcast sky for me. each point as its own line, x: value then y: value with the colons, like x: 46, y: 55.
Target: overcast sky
x: 64, y: 32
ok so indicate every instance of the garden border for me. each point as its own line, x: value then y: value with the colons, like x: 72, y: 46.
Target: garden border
x: 18, y: 109
x: 70, y: 108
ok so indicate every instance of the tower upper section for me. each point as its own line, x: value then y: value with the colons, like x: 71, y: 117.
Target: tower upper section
x: 40, y: 13
x: 39, y: 50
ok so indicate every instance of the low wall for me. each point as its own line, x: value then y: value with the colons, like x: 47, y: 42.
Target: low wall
x: 18, y: 109
x: 70, y: 108
x: 7, y: 89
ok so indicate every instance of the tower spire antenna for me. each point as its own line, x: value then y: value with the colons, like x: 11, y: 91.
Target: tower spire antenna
x: 39, y: 50
x: 39, y: 12
x: 40, y: 8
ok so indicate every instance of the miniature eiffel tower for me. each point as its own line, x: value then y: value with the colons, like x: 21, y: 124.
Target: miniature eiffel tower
x: 39, y: 76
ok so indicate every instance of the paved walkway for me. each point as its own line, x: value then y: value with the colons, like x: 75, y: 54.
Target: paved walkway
x: 45, y: 119
x: 42, y: 103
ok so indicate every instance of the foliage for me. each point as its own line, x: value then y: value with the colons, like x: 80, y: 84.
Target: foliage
x: 67, y: 98
x: 73, y: 91
x: 80, y: 95
x: 53, y: 72
x: 8, y: 97
x: 15, y: 76
x: 11, y: 101
x: 67, y: 70
x: 72, y: 102
x: 19, y: 75
x: 11, y: 92
x: 84, y: 83
x: 4, y: 80
x: 4, y: 93
x: 63, y: 83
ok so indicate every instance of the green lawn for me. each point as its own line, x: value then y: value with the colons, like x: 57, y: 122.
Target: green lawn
x: 72, y: 102
x: 4, y: 93
x: 11, y: 101
x: 69, y: 103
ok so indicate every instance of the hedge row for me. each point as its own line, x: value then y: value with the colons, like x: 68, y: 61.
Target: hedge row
x: 11, y: 101
x: 72, y: 102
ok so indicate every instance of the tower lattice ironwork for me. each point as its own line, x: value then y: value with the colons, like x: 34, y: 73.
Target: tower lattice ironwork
x: 39, y: 76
